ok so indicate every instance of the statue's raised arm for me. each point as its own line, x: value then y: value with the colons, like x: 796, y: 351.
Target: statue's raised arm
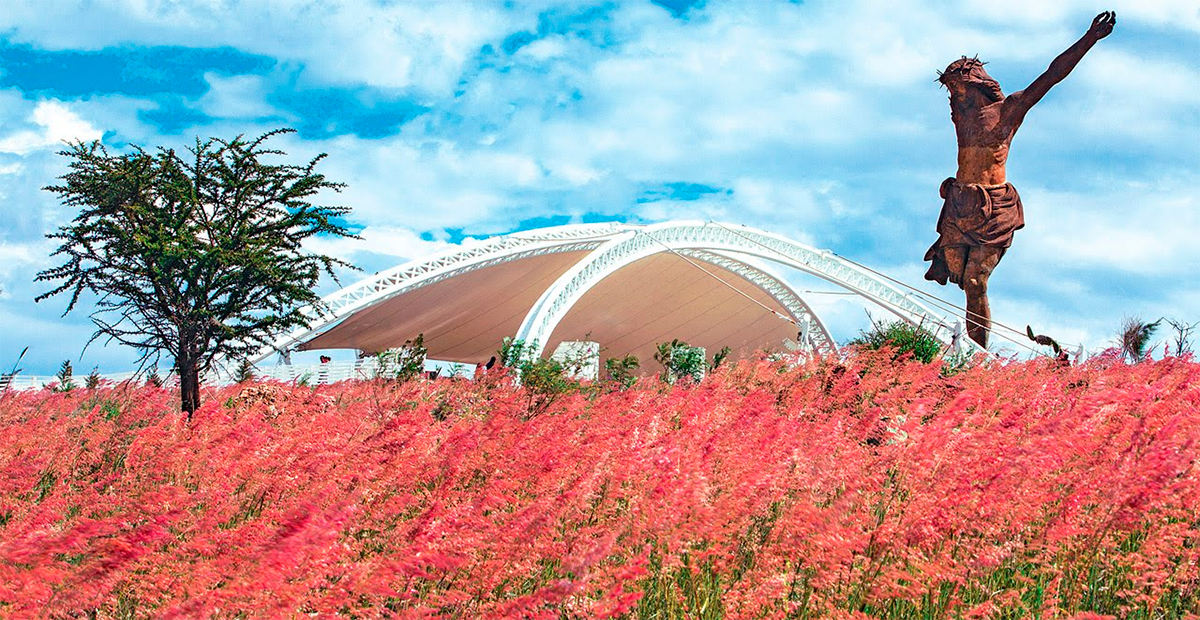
x: 1020, y: 102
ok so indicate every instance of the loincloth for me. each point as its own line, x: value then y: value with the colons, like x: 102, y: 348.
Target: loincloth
x: 973, y: 215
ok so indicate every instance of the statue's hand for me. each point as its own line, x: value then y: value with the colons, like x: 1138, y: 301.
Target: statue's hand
x: 1102, y: 26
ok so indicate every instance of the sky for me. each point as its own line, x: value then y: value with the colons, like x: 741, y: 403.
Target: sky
x: 816, y: 120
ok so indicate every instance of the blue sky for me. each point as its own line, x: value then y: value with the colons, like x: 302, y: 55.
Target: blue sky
x: 817, y: 120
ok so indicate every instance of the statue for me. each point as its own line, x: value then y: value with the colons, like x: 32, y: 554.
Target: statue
x: 981, y: 209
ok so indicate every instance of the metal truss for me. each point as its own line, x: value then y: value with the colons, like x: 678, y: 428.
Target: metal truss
x: 613, y: 246
x: 801, y: 314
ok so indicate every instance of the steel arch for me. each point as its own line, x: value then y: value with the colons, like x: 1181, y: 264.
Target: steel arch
x: 612, y: 246
x: 721, y: 239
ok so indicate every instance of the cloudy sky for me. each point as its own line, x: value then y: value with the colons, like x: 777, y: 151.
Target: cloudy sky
x: 817, y: 120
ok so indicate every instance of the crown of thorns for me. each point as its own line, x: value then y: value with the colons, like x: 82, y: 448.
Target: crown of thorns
x: 962, y: 65
x: 971, y: 70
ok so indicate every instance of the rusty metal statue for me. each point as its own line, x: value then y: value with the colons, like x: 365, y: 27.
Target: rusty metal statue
x: 981, y: 209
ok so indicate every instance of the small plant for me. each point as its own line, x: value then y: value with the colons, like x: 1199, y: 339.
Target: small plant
x: 679, y: 360
x: 244, y: 372
x: 1134, y: 338
x: 1182, y: 340
x: 544, y: 380
x: 92, y: 381
x: 403, y: 363
x: 622, y: 370
x: 902, y: 337
x: 66, y: 381
x: 6, y: 379
x: 513, y: 352
x: 719, y: 358
x: 154, y: 379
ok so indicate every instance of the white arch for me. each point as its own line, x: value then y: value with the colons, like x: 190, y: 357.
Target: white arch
x: 613, y: 246
x: 723, y: 239
x: 440, y: 266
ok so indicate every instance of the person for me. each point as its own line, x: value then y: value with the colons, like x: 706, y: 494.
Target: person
x: 981, y: 209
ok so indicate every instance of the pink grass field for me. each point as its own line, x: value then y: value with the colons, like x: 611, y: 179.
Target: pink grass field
x: 857, y: 488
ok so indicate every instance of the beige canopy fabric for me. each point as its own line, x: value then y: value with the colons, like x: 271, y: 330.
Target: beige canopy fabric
x: 656, y: 299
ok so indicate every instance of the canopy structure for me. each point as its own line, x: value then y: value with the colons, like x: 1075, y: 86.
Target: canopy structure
x: 627, y: 287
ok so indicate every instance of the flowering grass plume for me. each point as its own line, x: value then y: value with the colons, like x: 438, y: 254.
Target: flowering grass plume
x: 857, y: 488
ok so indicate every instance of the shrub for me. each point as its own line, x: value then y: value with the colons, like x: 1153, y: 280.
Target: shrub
x: 403, y: 363
x: 545, y: 380
x: 680, y: 361
x: 92, y: 381
x: 622, y: 370
x: 65, y: 378
x: 901, y: 338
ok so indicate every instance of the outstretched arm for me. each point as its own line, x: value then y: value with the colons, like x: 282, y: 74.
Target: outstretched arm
x: 1101, y: 27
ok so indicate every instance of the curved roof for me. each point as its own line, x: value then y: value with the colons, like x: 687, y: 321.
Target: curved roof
x: 625, y: 286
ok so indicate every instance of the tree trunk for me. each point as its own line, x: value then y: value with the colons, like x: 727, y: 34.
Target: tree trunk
x: 188, y: 366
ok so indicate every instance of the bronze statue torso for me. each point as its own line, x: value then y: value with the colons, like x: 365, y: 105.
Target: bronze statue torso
x: 983, y: 141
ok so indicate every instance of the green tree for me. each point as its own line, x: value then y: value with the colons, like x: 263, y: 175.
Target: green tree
x: 1135, y: 338
x: 199, y: 256
x: 679, y: 360
x: 403, y: 363
x: 622, y: 370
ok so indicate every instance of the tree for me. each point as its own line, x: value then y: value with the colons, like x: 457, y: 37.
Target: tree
x: 1134, y: 338
x: 1182, y: 340
x: 679, y: 360
x: 198, y: 257
x: 403, y: 363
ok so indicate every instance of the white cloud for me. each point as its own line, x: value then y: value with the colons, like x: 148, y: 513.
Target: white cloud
x: 236, y: 97
x: 400, y: 243
x: 422, y: 46
x: 822, y: 117
x: 56, y: 124
x: 1183, y: 14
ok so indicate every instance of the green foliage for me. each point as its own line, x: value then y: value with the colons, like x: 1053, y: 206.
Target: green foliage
x: 545, y: 380
x: 66, y: 380
x: 244, y: 372
x: 92, y: 381
x: 111, y: 409
x: 622, y: 370
x: 902, y: 337
x: 403, y: 363
x: 198, y: 256
x: 680, y: 360
x: 1135, y: 338
x: 513, y: 353
x: 153, y: 379
x: 719, y: 358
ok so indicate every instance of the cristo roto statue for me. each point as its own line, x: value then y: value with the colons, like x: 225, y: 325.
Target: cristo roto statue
x: 981, y: 209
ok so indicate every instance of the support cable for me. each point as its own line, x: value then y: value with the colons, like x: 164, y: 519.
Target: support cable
x: 937, y: 300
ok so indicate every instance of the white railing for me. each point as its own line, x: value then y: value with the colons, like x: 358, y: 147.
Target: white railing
x: 329, y: 372
x: 312, y: 374
x: 37, y: 382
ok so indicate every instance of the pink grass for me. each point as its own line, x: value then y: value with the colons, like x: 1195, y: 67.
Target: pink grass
x: 838, y: 489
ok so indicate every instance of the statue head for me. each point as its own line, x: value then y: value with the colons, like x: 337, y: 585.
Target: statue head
x: 966, y: 73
